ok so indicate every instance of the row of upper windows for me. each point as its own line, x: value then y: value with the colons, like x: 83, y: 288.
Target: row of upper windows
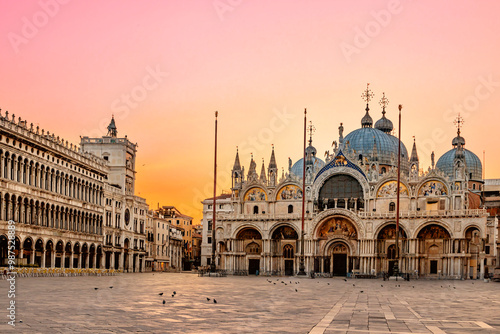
x: 221, y: 206
x: 20, y: 169
x: 61, y: 162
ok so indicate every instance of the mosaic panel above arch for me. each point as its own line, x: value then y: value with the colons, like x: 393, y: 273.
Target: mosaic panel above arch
x: 255, y: 194
x: 433, y: 232
x: 337, y: 226
x: 249, y: 233
x: 433, y: 188
x: 289, y: 192
x: 389, y: 232
x: 285, y: 232
x: 388, y: 189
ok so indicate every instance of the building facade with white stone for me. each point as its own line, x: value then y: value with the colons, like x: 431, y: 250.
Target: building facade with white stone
x: 73, y: 207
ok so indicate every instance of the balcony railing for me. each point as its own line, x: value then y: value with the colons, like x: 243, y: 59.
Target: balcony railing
x: 361, y: 213
x: 425, y: 213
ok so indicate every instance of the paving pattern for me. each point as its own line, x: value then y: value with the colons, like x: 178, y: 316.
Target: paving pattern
x: 249, y: 305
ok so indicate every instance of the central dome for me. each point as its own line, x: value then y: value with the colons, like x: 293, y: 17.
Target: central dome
x: 362, y: 141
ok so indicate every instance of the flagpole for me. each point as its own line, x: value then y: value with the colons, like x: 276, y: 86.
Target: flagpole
x: 396, y: 264
x: 301, y: 264
x: 212, y: 264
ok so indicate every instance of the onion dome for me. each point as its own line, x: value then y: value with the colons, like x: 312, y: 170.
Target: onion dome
x: 311, y: 159
x: 384, y: 124
x: 367, y: 121
x: 458, y: 140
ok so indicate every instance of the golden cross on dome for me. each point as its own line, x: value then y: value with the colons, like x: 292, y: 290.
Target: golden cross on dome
x: 384, y: 101
x: 367, y: 95
x: 459, y: 122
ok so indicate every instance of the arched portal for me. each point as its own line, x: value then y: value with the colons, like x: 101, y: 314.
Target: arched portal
x: 84, y: 257
x: 49, y: 251
x: 386, y: 247
x: 337, y: 236
x: 59, y: 254
x: 68, y: 250
x: 431, y: 248
x: 92, y: 256
x: 249, y: 241
x: 338, y: 258
x: 76, y: 256
x: 28, y: 251
x: 283, y: 242
x: 39, y: 252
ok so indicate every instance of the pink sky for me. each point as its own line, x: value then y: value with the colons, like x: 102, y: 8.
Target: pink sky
x: 250, y: 60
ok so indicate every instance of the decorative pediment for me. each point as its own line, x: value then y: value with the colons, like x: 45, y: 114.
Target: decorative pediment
x: 340, y: 161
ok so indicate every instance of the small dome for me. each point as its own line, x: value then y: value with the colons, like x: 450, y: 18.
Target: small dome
x: 474, y: 166
x: 458, y: 140
x: 297, y: 167
x: 384, y: 124
x: 367, y: 121
x: 311, y: 150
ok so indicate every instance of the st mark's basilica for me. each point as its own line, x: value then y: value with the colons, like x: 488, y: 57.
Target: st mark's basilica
x: 350, y: 210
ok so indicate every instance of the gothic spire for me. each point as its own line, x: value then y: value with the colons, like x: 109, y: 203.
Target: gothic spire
x: 237, y: 165
x: 263, y: 178
x: 272, y: 162
x: 252, y: 172
x: 414, y: 155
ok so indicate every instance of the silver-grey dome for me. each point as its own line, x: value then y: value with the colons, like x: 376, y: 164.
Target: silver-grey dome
x: 384, y: 124
x: 297, y: 167
x: 474, y: 165
x: 362, y: 141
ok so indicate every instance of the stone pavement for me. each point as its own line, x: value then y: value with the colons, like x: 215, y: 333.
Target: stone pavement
x: 249, y: 305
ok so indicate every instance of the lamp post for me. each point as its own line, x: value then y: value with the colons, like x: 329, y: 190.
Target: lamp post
x: 396, y: 263
x: 301, y: 264
x: 212, y: 263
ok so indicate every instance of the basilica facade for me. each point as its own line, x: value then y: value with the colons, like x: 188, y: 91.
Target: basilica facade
x: 350, y: 211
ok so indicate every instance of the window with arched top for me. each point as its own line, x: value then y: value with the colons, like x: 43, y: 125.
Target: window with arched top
x: 392, y: 206
x: 383, y: 170
x: 391, y: 252
x: 290, y: 208
x: 288, y: 252
x: 255, y: 209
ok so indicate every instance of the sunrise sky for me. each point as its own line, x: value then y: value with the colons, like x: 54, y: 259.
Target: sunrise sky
x: 163, y: 68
